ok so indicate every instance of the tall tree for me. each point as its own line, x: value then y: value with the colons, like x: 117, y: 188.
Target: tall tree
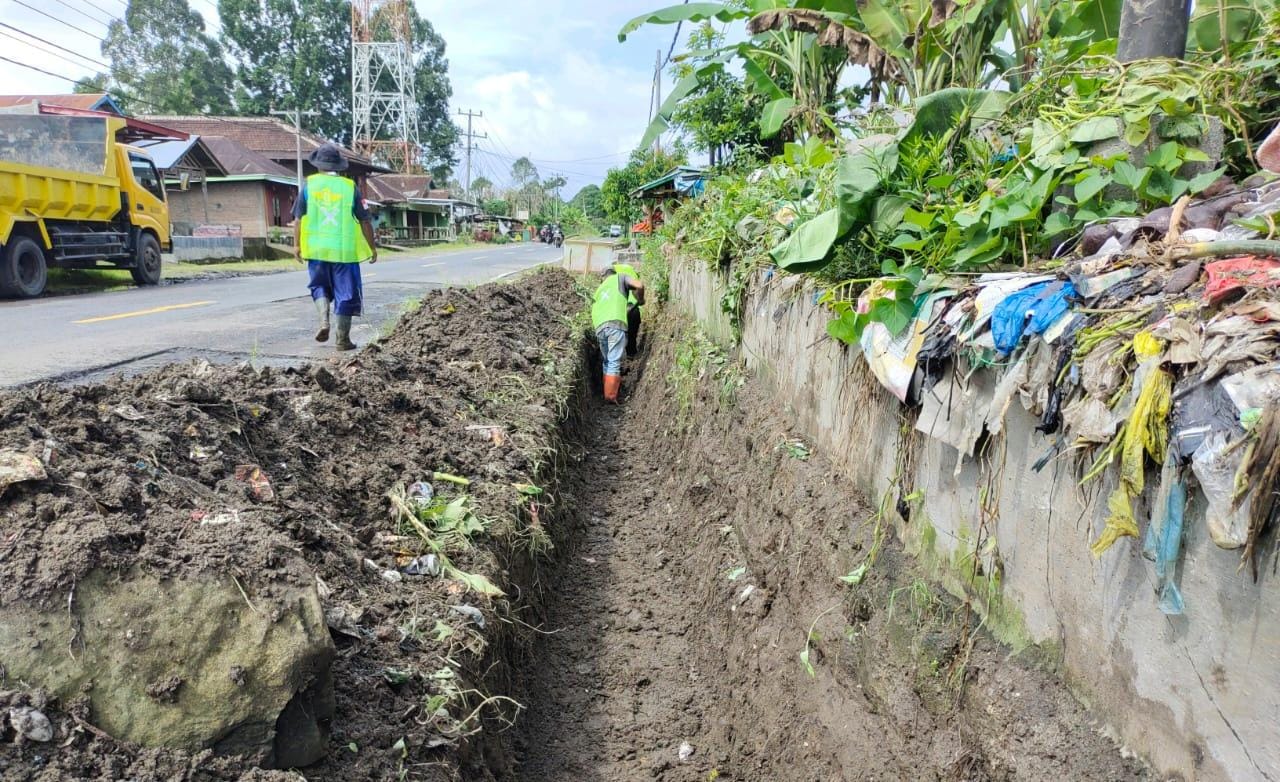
x: 297, y: 54
x: 482, y: 188
x: 163, y: 62
x: 437, y: 131
x: 720, y: 114
x: 523, y: 172
x: 644, y: 165
x: 292, y: 54
x: 590, y: 202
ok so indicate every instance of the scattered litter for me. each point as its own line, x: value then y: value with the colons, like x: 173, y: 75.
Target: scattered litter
x: 1254, y: 388
x: 128, y: 412
x: 30, y: 724
x: 391, y: 576
x: 1215, y: 464
x: 746, y: 594
x: 686, y: 751
x: 493, y: 433
x: 1163, y: 542
x: 18, y: 467
x: 425, y: 565
x: 1234, y: 274
x: 344, y: 620
x: 470, y: 612
x: 206, y: 519
x: 421, y: 493
x: 199, y: 453
x: 259, y: 484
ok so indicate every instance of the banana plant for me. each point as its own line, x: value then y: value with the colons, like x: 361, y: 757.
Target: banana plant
x: 793, y: 69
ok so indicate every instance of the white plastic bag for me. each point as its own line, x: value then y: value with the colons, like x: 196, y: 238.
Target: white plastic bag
x: 1215, y: 469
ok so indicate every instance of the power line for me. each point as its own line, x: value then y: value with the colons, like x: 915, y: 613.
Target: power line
x: 582, y: 159
x: 62, y: 57
x: 116, y: 92
x: 498, y: 138
x: 86, y: 14
x: 54, y: 45
x: 59, y: 21
x: 110, y: 14
x: 674, y: 38
x: 581, y: 174
x: 38, y: 69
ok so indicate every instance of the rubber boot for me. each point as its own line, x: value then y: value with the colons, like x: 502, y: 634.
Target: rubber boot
x: 322, y: 309
x: 612, y: 384
x: 344, y: 334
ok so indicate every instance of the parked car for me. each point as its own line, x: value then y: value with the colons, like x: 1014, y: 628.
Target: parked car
x: 615, y: 231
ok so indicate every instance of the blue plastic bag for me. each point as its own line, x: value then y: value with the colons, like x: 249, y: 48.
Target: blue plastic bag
x: 1029, y: 311
x: 1163, y: 542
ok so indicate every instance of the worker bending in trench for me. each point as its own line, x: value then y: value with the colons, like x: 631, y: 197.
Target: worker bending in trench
x: 633, y: 311
x: 332, y: 232
x: 609, y: 317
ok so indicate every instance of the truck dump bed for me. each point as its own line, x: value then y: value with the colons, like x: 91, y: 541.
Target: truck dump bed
x: 57, y: 168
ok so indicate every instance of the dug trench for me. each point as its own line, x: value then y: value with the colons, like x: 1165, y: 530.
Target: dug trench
x: 219, y: 573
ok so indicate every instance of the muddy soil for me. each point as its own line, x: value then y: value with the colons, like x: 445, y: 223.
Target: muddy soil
x: 703, y: 555
x: 197, y: 469
x: 666, y: 563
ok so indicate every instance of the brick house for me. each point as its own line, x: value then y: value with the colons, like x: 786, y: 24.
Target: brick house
x: 256, y: 193
x: 258, y: 190
x: 408, y: 210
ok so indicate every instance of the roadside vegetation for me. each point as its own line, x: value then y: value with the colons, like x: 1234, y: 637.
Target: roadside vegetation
x: 983, y: 136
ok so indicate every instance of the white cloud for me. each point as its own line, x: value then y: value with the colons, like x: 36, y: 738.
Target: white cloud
x: 552, y: 80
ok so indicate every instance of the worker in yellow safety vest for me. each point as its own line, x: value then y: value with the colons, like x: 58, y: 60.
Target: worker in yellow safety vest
x: 609, y: 319
x: 633, y: 311
x: 333, y: 234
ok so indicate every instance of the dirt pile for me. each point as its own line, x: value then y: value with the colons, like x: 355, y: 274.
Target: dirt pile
x: 275, y: 484
x: 701, y: 629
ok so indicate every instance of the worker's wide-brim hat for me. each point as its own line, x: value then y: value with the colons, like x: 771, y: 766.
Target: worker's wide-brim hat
x: 328, y: 157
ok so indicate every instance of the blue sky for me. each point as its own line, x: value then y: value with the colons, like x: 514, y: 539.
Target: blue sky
x: 551, y: 78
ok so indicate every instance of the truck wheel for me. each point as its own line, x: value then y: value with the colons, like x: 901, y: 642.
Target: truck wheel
x: 23, y: 271
x: 146, y: 269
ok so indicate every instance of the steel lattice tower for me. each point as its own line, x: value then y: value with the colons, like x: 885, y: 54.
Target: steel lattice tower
x: 384, y: 106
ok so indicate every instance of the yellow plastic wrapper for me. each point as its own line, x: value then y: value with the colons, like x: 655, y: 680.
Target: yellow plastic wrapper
x: 1147, y: 346
x: 1145, y: 432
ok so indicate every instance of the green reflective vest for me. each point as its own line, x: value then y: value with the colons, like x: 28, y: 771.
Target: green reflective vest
x: 608, y: 304
x: 630, y: 271
x: 330, y: 231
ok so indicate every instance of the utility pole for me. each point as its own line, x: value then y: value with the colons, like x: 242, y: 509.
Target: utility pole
x: 470, y: 115
x: 657, y: 101
x: 1153, y: 28
x: 297, y: 115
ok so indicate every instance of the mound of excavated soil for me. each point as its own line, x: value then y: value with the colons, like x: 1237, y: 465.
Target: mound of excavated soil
x: 272, y: 478
x: 700, y: 562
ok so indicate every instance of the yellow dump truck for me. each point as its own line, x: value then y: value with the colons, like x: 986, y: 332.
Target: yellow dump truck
x: 72, y: 196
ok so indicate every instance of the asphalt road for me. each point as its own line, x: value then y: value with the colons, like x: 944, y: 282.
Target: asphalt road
x: 268, y: 318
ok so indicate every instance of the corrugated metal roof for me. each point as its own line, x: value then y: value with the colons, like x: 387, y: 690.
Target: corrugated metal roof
x: 684, y: 179
x: 267, y: 136
x: 236, y: 158
x: 393, y: 188
x: 91, y: 101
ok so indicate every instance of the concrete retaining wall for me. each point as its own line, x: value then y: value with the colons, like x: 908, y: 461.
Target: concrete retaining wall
x: 1198, y: 695
x: 199, y: 248
x: 588, y: 255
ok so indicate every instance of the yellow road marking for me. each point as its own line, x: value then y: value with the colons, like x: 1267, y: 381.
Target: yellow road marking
x: 151, y: 311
